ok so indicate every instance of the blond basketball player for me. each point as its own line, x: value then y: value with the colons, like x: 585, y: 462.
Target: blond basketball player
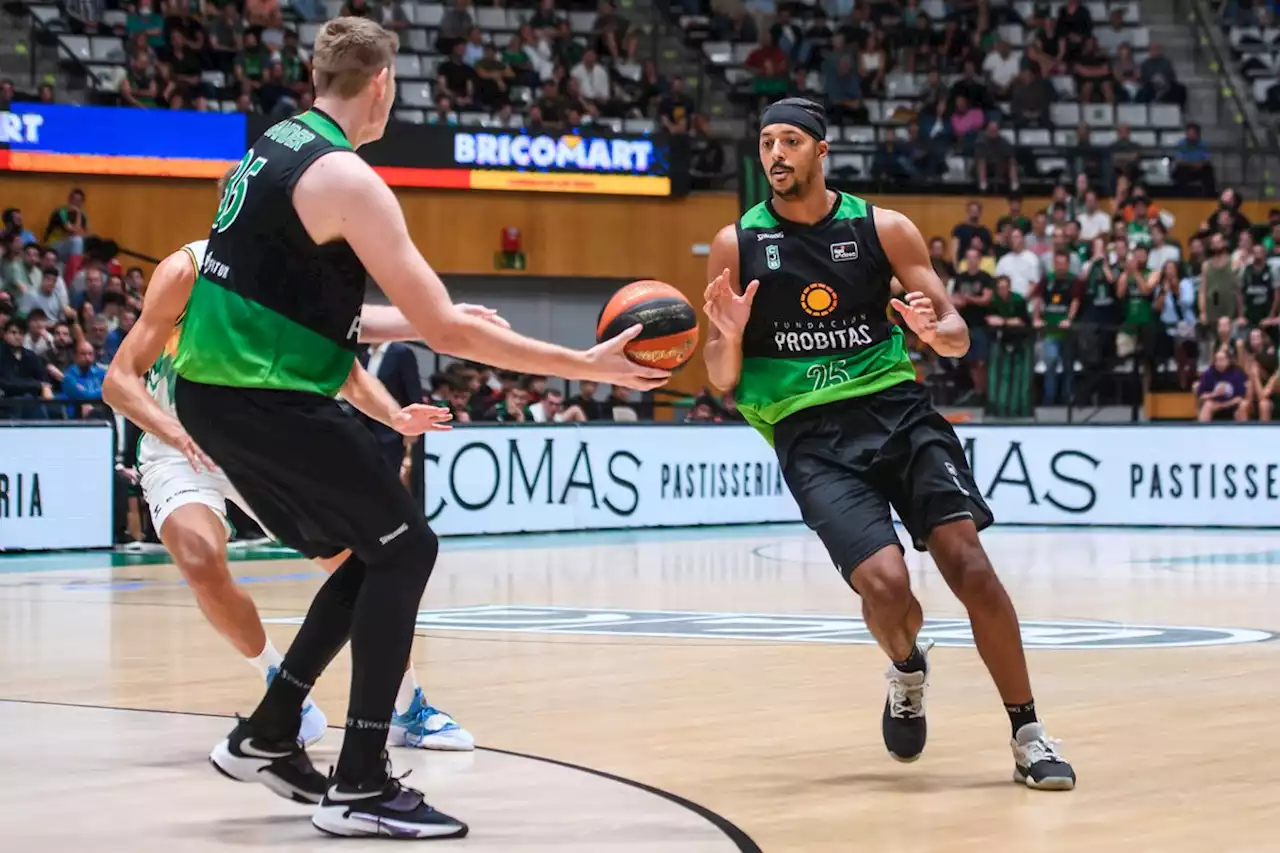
x: 187, y: 495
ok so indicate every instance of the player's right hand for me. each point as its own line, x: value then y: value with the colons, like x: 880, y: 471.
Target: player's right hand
x: 177, y: 438
x: 608, y: 362
x: 729, y: 311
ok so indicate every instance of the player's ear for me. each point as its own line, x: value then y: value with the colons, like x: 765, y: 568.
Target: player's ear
x: 823, y: 148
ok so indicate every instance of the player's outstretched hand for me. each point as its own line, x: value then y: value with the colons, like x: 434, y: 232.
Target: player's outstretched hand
x: 919, y: 314
x: 417, y: 418
x: 727, y: 310
x: 178, y: 439
x: 480, y: 312
x: 608, y: 362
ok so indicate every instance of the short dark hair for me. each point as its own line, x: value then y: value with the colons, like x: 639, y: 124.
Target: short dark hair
x: 76, y: 191
x: 15, y: 323
x: 53, y: 271
x: 36, y: 314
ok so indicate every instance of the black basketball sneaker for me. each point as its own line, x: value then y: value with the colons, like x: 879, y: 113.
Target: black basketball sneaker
x: 383, y: 808
x: 903, y: 722
x: 283, y: 766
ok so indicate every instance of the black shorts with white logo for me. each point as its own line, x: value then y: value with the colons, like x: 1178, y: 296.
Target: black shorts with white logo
x: 847, y: 462
x: 311, y: 472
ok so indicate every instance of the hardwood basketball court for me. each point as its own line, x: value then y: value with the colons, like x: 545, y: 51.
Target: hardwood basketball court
x: 720, y: 680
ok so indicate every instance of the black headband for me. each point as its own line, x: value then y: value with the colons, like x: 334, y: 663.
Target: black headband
x: 797, y: 116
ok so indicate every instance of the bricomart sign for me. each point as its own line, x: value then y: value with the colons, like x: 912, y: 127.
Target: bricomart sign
x: 483, y: 479
x: 183, y: 144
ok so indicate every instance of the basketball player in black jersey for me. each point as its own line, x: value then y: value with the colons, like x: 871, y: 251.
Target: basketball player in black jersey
x: 820, y: 370
x: 268, y: 338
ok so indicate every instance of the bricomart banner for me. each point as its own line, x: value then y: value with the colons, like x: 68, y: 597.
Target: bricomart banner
x: 515, y: 479
x: 55, y: 486
x: 163, y: 143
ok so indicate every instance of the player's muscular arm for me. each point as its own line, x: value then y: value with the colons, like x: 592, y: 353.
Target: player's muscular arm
x: 124, y: 389
x: 381, y: 323
x: 728, y: 307
x: 928, y: 309
x: 371, y: 221
x: 363, y: 390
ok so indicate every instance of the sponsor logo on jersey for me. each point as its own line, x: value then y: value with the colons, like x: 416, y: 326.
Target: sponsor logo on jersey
x: 806, y: 628
x: 771, y: 258
x: 847, y: 251
x: 776, y: 235
x: 818, y: 299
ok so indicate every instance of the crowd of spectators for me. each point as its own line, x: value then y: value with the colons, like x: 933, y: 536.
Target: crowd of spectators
x: 64, y: 309
x: 1087, y: 290
x: 976, y: 84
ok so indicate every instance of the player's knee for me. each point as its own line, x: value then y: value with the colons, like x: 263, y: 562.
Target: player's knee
x: 413, y: 556
x: 203, y: 564
x: 882, y: 580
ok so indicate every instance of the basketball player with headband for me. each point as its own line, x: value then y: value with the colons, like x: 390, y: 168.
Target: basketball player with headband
x: 799, y: 301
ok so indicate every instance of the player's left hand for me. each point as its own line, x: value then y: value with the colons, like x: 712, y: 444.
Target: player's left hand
x: 480, y: 312
x: 417, y: 418
x: 919, y: 314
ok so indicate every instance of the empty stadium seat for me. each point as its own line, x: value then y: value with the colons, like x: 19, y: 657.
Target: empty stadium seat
x: 428, y: 14
x: 1134, y: 115
x: 491, y: 18
x: 408, y: 66
x: 1166, y: 115
x: 77, y: 47
x: 411, y: 116
x: 638, y: 125
x: 107, y: 49
x: 417, y: 95
x: 1064, y: 114
x: 1099, y: 115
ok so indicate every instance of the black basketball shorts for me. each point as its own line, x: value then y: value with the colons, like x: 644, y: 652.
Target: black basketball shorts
x: 847, y: 462
x: 312, y: 473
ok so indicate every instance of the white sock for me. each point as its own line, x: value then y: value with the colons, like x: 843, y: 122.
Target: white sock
x: 266, y: 659
x: 408, y: 687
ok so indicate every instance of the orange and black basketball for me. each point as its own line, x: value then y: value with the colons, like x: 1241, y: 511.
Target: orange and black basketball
x: 670, y: 324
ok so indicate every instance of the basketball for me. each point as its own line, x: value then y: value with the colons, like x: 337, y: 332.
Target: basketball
x: 670, y: 324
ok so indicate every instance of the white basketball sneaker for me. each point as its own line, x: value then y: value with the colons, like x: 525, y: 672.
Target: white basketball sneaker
x: 1036, y: 762
x: 425, y: 727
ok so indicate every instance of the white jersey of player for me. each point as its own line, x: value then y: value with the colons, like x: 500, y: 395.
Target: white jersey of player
x: 160, y: 378
x: 168, y: 480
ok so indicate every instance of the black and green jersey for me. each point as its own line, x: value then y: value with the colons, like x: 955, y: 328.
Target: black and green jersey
x: 1258, y: 290
x: 1057, y: 292
x: 819, y: 329
x: 270, y: 308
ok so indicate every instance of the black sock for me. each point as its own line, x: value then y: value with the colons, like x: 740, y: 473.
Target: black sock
x: 915, y: 661
x: 1021, y: 715
x: 381, y: 638
x: 323, y: 634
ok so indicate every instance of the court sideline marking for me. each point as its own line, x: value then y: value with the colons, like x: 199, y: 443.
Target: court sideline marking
x: 728, y: 828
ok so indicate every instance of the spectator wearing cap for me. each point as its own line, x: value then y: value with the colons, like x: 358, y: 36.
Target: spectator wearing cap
x: 82, y: 383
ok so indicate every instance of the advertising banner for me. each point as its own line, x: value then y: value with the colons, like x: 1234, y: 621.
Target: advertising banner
x: 120, y: 141
x: 56, y: 486
x: 503, y: 479
x: 186, y: 144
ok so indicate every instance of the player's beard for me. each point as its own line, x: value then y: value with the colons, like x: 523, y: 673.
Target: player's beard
x: 794, y: 190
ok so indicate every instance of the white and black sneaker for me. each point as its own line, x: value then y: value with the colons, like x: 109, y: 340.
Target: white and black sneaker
x: 387, y: 809
x: 1036, y: 762
x: 283, y: 766
x: 903, y: 722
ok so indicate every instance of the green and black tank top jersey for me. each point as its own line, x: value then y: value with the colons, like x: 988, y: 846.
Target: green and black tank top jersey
x: 270, y: 307
x: 819, y: 329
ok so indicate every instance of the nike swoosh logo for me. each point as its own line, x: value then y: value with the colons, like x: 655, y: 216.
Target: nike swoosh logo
x: 252, y: 752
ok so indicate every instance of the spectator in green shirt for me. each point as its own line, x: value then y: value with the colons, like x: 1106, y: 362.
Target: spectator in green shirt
x: 1007, y: 309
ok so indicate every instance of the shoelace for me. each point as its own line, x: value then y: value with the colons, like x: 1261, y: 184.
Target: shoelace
x: 1042, y: 749
x: 905, y: 700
